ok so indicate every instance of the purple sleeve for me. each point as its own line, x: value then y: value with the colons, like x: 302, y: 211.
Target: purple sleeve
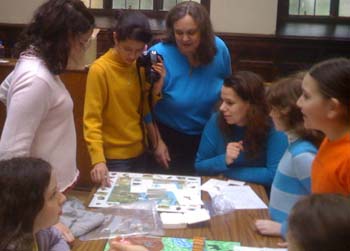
x: 50, y: 239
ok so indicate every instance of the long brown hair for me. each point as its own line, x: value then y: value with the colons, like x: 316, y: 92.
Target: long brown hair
x: 283, y: 96
x: 250, y: 88
x: 206, y: 49
x: 23, y: 183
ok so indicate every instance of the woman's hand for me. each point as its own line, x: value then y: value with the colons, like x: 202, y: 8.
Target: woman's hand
x: 232, y: 151
x: 99, y: 174
x: 67, y: 235
x: 161, y: 154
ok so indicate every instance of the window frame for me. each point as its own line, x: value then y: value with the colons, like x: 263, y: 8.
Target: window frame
x: 156, y: 13
x: 284, y: 17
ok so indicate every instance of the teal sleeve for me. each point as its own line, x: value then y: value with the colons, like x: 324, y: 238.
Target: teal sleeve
x: 276, y: 146
x: 210, y: 159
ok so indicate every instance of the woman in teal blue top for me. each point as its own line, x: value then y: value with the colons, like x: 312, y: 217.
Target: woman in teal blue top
x: 240, y: 141
x: 196, y: 63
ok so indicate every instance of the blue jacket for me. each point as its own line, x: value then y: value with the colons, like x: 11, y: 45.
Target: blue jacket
x: 189, y: 94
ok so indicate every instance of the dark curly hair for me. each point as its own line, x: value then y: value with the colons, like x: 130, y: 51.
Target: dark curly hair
x: 53, y: 25
x: 250, y: 88
x: 23, y: 183
x: 206, y: 49
x: 283, y: 96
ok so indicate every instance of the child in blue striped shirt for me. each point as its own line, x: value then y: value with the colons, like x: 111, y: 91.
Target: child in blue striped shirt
x: 292, y: 179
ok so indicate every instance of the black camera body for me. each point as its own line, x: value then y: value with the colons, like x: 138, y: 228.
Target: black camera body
x: 146, y: 60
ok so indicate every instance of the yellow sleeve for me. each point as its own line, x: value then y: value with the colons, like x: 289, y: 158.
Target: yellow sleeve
x: 95, y: 99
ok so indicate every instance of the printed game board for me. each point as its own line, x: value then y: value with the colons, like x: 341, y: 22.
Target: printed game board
x: 173, y: 193
x: 178, y: 244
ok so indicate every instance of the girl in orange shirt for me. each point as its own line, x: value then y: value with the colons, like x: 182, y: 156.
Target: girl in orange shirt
x: 325, y: 104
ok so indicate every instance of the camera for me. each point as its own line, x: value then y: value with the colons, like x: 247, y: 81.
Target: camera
x: 146, y: 60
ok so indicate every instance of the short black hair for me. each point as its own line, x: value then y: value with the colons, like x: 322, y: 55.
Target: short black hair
x: 132, y: 25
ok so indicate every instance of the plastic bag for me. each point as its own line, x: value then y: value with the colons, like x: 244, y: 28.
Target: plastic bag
x: 138, y: 218
x: 220, y: 203
x: 78, y: 219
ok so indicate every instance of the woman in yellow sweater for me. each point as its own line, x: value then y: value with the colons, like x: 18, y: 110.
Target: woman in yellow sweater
x: 116, y: 109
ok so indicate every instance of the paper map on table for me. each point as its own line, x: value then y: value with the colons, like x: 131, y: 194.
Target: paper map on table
x: 177, y: 244
x: 173, y: 193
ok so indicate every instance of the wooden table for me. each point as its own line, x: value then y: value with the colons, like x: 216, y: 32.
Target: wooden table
x: 236, y: 226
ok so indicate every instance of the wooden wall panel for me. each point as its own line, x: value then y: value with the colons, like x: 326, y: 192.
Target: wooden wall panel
x: 274, y: 56
x: 9, y: 34
x: 104, y: 41
x: 75, y: 82
x: 4, y: 71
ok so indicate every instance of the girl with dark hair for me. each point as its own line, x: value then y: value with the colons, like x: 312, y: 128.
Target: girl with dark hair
x: 116, y: 104
x: 292, y: 179
x: 239, y: 141
x: 39, y: 121
x: 30, y: 204
x: 196, y: 63
x: 320, y: 222
x: 325, y: 105
x: 58, y: 33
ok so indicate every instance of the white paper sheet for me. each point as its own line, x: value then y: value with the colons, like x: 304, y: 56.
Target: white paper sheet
x: 243, y: 197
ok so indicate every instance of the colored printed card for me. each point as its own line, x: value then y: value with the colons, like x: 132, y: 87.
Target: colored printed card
x: 177, y: 244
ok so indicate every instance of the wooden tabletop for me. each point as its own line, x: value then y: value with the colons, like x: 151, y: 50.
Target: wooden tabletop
x: 237, y: 226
